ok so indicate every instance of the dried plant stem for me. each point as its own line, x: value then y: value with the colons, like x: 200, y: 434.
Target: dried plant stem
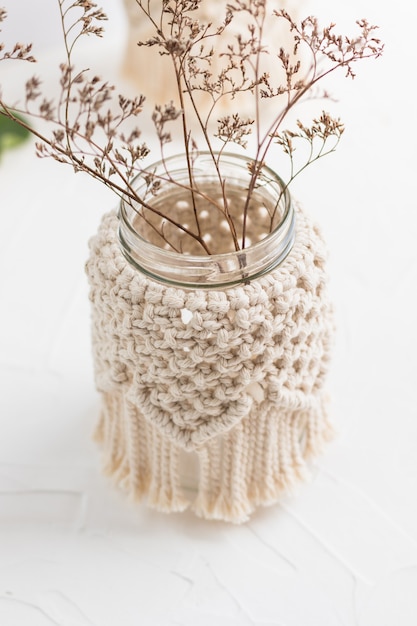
x: 214, y: 61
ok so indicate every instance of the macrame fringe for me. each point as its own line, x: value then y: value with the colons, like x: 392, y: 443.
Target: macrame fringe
x: 239, y: 385
x: 261, y: 457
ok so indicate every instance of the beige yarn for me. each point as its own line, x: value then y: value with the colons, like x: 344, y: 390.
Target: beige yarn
x: 234, y: 376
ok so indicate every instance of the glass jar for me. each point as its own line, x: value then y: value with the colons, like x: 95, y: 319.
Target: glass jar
x: 219, y: 359
x: 218, y: 270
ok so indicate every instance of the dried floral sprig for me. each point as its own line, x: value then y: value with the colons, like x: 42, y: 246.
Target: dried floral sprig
x: 92, y: 126
x: 19, y: 51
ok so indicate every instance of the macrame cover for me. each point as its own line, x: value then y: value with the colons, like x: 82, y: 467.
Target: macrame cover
x: 234, y: 377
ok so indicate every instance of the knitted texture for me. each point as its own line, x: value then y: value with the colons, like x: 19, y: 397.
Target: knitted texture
x: 235, y: 377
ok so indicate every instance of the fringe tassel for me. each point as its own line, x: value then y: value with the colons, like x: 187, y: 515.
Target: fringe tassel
x: 139, y: 460
x: 165, y: 493
x: 261, y: 457
x: 109, y: 433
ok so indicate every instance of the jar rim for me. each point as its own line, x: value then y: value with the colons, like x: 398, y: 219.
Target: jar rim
x: 282, y: 235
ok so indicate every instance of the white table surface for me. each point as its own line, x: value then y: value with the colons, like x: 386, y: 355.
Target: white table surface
x: 342, y: 550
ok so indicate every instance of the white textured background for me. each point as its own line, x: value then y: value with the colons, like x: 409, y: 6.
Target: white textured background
x: 343, y: 550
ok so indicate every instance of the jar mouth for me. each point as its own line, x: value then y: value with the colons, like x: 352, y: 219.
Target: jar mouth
x: 218, y: 270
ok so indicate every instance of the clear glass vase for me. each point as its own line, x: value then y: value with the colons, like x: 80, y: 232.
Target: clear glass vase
x: 270, y: 225
x: 211, y: 367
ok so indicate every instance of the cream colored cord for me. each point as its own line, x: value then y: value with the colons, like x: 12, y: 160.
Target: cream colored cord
x: 239, y: 380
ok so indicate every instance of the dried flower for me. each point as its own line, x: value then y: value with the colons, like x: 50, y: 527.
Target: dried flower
x: 91, y: 127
